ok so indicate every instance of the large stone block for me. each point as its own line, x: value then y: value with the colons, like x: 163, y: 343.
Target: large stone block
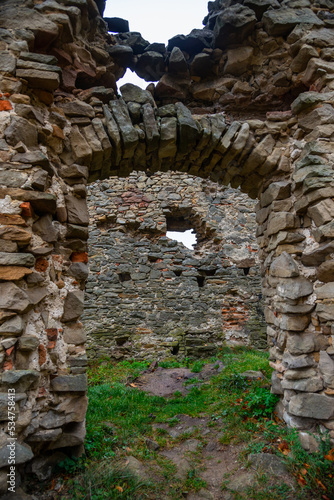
x: 294, y: 323
x: 281, y: 22
x: 12, y: 327
x: 279, y: 221
x: 73, y: 306
x: 316, y: 406
x: 21, y: 380
x: 7, y: 62
x: 16, y: 259
x: 13, y: 298
x: 21, y: 129
x: 326, y: 367
x: 276, y: 191
x: 325, y: 271
x: 233, y: 25
x: 133, y: 93
x: 14, y: 233
x: 284, y: 266
x: 74, y: 334
x: 238, y: 60
x: 46, y: 80
x: 45, y: 229
x: 294, y: 288
x: 304, y: 343
x: 325, y: 311
x: 325, y: 291
x: 69, y: 383
x: 322, y: 212
x: 23, y: 452
x: 297, y: 362
x: 313, y: 384
x: 77, y: 211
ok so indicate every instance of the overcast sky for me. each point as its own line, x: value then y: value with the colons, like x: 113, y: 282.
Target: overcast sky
x: 157, y: 21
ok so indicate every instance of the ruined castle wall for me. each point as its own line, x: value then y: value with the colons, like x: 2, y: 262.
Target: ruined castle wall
x: 62, y: 125
x: 148, y: 296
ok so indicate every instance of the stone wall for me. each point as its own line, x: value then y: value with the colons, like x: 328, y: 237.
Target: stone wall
x: 63, y: 125
x: 148, y: 296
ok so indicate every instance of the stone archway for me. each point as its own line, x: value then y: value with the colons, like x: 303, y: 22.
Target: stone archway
x: 55, y: 141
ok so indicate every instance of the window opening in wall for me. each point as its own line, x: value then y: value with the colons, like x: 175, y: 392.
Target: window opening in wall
x: 132, y: 77
x: 175, y: 349
x: 188, y: 238
x: 200, y: 281
x: 124, y: 277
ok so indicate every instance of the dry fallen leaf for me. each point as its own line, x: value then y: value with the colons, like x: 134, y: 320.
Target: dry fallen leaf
x: 133, y: 385
x: 330, y: 455
x: 319, y: 483
x: 301, y: 480
x: 119, y: 488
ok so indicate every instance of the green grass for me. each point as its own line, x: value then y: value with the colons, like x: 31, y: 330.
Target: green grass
x: 120, y: 418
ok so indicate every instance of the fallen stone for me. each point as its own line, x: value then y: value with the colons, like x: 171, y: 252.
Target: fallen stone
x: 269, y: 464
x: 308, y: 442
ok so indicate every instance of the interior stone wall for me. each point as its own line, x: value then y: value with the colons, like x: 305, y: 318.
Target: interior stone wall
x: 151, y: 297
x: 62, y: 125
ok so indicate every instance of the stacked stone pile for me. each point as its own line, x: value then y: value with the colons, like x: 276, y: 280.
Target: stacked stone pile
x: 148, y: 296
x: 53, y: 141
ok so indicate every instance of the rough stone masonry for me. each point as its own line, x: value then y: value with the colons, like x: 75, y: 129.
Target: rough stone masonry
x: 246, y: 101
x: 148, y: 296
